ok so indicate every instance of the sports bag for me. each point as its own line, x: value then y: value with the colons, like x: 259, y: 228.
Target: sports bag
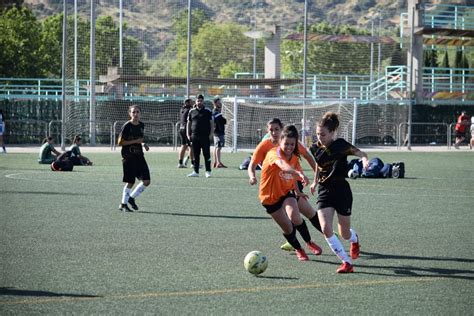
x: 374, y: 168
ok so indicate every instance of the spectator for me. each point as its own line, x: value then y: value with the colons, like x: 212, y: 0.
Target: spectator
x: 460, y: 129
x: 219, y: 132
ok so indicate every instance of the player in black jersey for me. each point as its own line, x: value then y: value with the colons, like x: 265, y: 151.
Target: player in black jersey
x: 133, y: 159
x: 334, y: 192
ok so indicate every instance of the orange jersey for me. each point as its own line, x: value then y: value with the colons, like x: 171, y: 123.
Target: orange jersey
x: 274, y: 183
x: 266, y: 145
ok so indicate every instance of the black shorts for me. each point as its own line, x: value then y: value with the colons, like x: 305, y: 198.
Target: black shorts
x: 337, y: 195
x: 135, y: 166
x: 275, y: 207
x: 184, y: 137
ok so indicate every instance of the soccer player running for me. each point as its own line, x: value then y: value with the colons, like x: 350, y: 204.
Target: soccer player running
x: 334, y: 192
x: 278, y: 189
x: 133, y: 159
x: 274, y: 128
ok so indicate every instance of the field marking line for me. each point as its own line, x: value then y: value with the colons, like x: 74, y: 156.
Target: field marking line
x: 220, y: 291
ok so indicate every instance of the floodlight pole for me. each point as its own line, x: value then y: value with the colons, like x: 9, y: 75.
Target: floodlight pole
x: 63, y: 70
x: 121, y: 34
x: 188, y: 53
x: 76, y: 84
x: 92, y: 78
x: 305, y: 50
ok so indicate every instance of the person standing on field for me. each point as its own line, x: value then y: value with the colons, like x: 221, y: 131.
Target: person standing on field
x: 185, y: 142
x: 219, y: 132
x: 334, y: 192
x: 134, y: 165
x: 199, y: 129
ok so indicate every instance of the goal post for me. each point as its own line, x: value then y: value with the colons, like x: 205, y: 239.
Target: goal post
x: 360, y: 123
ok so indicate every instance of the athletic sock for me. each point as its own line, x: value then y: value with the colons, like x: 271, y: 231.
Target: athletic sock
x: 125, y: 194
x: 354, y: 237
x: 303, y: 230
x: 315, y: 221
x: 138, y: 190
x: 291, y: 238
x: 336, y: 247
x: 180, y: 161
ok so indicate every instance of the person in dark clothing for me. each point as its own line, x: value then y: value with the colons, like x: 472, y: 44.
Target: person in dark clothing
x: 199, y: 129
x: 185, y: 142
x: 219, y: 132
x: 334, y: 192
x: 133, y: 160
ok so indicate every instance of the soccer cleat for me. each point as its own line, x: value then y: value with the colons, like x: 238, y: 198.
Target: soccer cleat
x: 193, y: 174
x: 345, y: 268
x: 180, y: 166
x: 355, y: 249
x: 220, y: 165
x: 208, y: 174
x: 287, y: 247
x: 124, y: 208
x: 301, y: 255
x: 315, y: 249
x: 132, y: 203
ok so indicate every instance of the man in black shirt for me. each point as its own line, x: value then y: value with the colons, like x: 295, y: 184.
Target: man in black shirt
x: 185, y: 142
x: 198, y: 130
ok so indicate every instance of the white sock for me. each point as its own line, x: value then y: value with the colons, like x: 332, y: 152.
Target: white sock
x: 125, y: 194
x: 336, y: 247
x: 138, y: 190
x: 353, y: 236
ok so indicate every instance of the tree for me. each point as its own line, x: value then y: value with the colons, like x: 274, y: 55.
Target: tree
x: 19, y: 43
x: 215, y: 44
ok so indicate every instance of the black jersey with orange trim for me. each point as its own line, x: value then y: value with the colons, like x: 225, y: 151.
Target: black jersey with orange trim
x: 332, y: 160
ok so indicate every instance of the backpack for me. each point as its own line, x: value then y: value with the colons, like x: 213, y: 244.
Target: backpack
x: 245, y: 164
x: 398, y: 170
x: 374, y: 168
x: 63, y: 162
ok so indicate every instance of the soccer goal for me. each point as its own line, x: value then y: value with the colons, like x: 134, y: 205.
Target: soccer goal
x: 360, y: 123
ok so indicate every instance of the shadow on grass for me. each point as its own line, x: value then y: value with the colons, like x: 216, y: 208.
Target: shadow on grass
x: 275, y: 277
x: 4, y: 291
x: 205, y: 215
x: 44, y: 192
x: 410, y: 270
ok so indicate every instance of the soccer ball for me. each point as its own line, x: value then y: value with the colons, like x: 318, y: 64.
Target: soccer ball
x: 255, y: 262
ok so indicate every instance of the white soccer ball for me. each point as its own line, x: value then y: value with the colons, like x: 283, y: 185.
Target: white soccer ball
x: 255, y: 262
x: 353, y: 174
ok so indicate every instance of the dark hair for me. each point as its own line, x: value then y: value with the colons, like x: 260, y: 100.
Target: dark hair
x: 187, y: 103
x: 216, y: 99
x: 330, y: 120
x: 76, y: 138
x: 47, y: 139
x: 134, y: 106
x: 200, y: 96
x: 275, y: 120
x: 290, y: 131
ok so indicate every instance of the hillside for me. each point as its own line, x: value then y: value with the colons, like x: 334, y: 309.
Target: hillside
x: 150, y: 20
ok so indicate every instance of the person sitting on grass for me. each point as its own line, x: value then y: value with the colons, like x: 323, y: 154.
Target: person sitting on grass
x: 76, y: 157
x: 48, y: 153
